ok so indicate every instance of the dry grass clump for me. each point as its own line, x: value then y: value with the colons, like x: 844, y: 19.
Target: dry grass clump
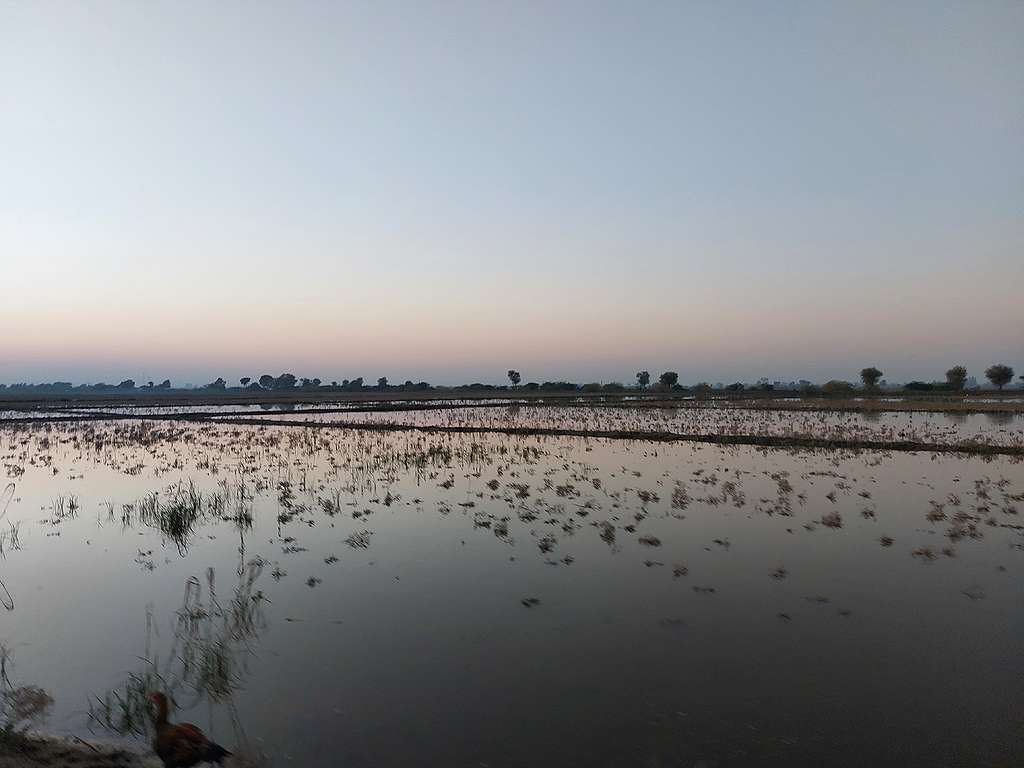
x: 21, y: 706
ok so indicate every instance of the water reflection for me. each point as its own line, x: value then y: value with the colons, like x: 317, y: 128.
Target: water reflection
x: 207, y: 662
x: 425, y: 587
x: 1001, y: 418
x: 10, y: 540
x: 181, y: 508
x: 21, y: 706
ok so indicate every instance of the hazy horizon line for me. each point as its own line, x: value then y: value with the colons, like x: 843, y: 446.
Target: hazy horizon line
x: 181, y: 383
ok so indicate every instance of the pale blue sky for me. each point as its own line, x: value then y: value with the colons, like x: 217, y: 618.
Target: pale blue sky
x: 445, y: 190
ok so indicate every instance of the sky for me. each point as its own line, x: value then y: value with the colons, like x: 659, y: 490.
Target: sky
x: 444, y: 191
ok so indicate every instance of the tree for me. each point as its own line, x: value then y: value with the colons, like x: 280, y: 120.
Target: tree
x: 382, y: 382
x: 837, y: 387
x: 870, y: 377
x: 285, y: 381
x: 129, y: 384
x: 514, y: 377
x: 643, y: 378
x: 165, y: 384
x: 956, y: 377
x: 668, y: 379
x: 218, y: 384
x: 267, y: 381
x: 1000, y: 375
x: 244, y: 381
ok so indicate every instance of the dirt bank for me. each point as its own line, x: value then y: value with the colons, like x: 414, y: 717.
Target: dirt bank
x: 44, y: 751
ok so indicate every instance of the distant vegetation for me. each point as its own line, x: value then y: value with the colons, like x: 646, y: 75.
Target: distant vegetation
x: 1000, y: 375
x: 956, y: 380
x: 870, y: 377
x: 956, y: 377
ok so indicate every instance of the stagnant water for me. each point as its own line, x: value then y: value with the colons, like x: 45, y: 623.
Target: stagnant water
x: 409, y: 599
x: 1003, y: 428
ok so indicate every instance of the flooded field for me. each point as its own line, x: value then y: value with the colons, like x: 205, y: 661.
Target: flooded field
x: 732, y: 419
x: 324, y: 596
x: 987, y: 428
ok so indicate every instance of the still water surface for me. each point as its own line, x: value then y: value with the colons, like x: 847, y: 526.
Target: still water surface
x: 410, y: 599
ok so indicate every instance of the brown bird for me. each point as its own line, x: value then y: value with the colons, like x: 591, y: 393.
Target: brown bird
x: 182, y: 745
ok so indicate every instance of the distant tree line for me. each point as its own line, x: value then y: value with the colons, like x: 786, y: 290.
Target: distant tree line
x: 956, y: 380
x: 999, y: 376
x: 58, y: 387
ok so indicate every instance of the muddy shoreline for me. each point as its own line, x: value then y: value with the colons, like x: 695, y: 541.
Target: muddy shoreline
x: 51, y: 751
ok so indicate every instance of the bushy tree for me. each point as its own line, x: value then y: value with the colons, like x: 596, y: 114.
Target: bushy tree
x: 668, y: 379
x: 870, y: 377
x: 643, y: 378
x: 837, y: 387
x: 218, y: 384
x: 1000, y: 375
x: 244, y: 381
x: 514, y: 377
x: 285, y: 381
x: 126, y: 384
x: 956, y: 377
x: 165, y: 384
x: 267, y: 381
x: 382, y: 382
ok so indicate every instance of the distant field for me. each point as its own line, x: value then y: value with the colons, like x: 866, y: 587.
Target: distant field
x: 966, y: 424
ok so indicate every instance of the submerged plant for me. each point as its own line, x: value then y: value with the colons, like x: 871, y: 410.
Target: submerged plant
x: 21, y: 706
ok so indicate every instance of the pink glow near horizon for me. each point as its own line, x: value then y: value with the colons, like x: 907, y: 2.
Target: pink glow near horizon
x: 455, y: 193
